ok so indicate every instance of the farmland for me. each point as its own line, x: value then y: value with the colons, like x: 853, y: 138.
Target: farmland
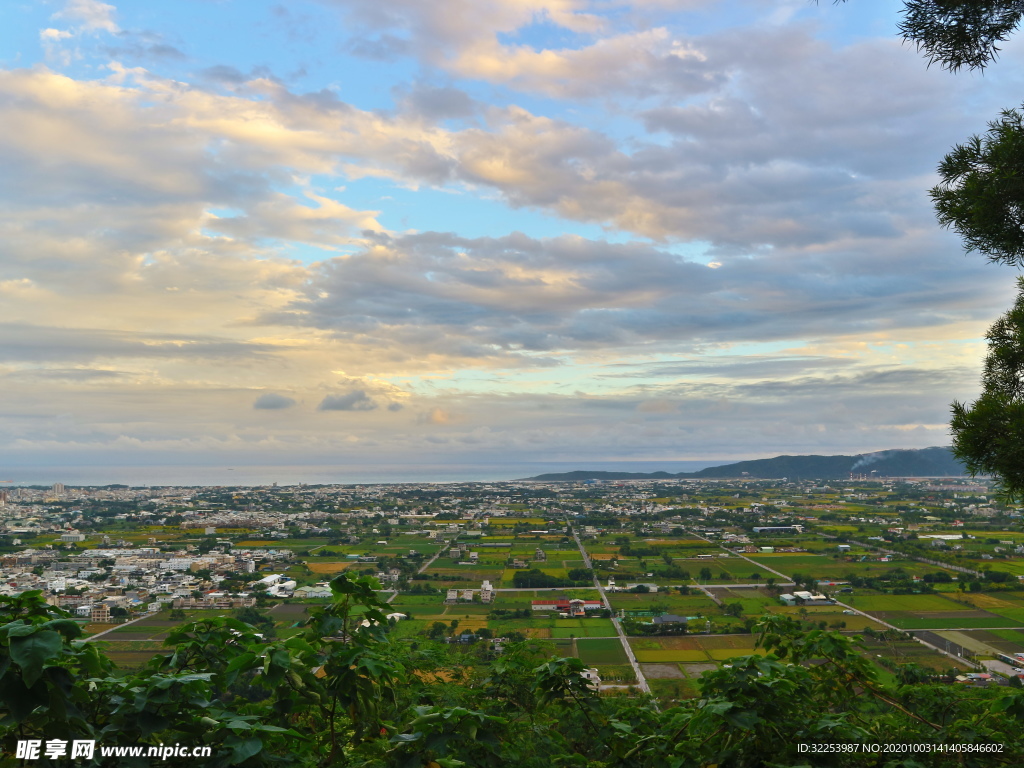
x: 832, y: 567
x: 601, y: 651
x: 691, y: 545
x: 926, y: 612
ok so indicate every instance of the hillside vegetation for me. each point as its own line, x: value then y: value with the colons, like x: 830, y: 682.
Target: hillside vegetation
x: 345, y: 693
x: 924, y: 462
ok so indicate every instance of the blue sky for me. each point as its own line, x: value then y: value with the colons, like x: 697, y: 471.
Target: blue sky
x: 480, y: 230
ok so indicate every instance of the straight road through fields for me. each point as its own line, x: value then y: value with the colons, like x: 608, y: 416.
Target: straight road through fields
x: 618, y: 625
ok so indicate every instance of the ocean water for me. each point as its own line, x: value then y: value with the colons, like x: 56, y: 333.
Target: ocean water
x: 323, y: 474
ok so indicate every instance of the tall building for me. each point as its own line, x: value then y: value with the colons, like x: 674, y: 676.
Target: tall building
x: 58, y: 488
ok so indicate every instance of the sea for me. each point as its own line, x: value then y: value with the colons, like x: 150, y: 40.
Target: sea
x: 322, y: 474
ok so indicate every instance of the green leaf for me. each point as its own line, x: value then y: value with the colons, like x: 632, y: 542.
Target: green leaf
x: 274, y: 729
x: 30, y: 652
x: 18, y: 629
x: 240, y: 661
x: 150, y: 722
x: 718, y: 707
x: 21, y: 702
x: 745, y: 719
x: 243, y: 749
x: 67, y: 627
x: 281, y: 658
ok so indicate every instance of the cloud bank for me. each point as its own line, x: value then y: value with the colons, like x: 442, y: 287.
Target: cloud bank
x: 707, y: 233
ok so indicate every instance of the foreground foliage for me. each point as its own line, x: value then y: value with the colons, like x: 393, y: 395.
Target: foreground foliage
x: 344, y: 694
x: 981, y: 197
x: 988, y: 435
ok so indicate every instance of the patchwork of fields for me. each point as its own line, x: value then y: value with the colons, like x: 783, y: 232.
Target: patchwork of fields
x: 672, y: 664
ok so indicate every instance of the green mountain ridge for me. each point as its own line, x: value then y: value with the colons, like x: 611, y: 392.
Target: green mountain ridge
x: 923, y: 462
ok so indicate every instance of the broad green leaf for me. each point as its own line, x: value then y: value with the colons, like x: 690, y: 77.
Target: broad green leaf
x: 243, y: 749
x: 30, y: 652
x: 19, y: 629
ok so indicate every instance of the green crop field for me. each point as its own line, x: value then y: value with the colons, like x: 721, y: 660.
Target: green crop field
x: 132, y: 645
x: 134, y: 659
x: 560, y: 631
x: 691, y: 648
x: 526, y: 626
x: 430, y: 614
x: 675, y: 603
x: 468, y: 609
x: 671, y: 656
x: 600, y: 548
x: 646, y: 643
x: 721, y: 654
x: 824, y: 567
x: 945, y: 623
x: 600, y: 651
x: 735, y: 572
x: 1016, y: 567
x: 407, y: 599
x: 856, y: 621
x: 1010, y: 635
x: 669, y: 691
x: 683, y: 544
x: 754, y: 603
x: 1008, y: 535
x: 289, y: 610
x: 154, y: 634
x: 738, y: 643
x: 621, y: 674
x: 577, y: 563
x: 409, y: 628
x: 781, y: 561
x: 904, y: 603
x: 550, y: 570
x: 1015, y: 615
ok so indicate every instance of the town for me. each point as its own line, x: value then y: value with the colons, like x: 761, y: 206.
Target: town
x: 650, y: 583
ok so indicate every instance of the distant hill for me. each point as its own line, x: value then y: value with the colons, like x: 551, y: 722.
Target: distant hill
x: 924, y: 462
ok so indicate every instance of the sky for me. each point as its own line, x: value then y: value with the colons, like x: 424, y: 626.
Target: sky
x: 480, y: 231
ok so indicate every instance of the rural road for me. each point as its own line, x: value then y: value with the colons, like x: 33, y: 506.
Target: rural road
x: 922, y: 642
x: 734, y: 554
x: 618, y: 626
x: 430, y: 562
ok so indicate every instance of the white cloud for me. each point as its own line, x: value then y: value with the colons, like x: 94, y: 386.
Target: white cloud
x: 465, y: 38
x: 89, y: 15
x: 51, y: 35
x: 753, y: 164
